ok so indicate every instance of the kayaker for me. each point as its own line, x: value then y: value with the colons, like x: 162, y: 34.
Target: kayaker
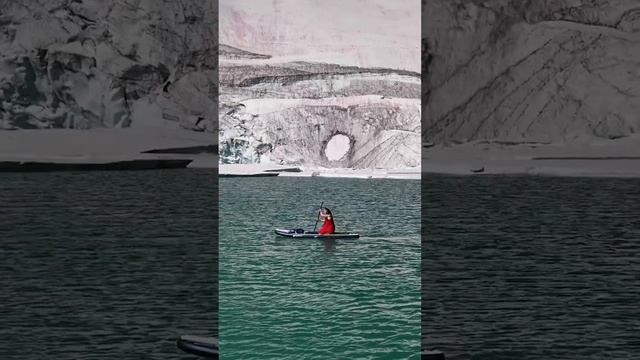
x: 328, y: 226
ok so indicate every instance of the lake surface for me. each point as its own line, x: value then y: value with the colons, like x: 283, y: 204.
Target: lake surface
x: 106, y: 265
x: 531, y: 267
x: 283, y: 298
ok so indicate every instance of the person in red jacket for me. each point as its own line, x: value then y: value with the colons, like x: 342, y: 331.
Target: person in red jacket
x: 328, y: 226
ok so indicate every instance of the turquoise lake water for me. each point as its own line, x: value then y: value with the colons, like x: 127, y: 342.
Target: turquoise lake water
x: 284, y: 298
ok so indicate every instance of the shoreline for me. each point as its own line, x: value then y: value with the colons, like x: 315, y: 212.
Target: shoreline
x: 124, y: 165
x: 105, y: 149
x: 301, y: 171
x: 537, y: 172
x: 599, y: 159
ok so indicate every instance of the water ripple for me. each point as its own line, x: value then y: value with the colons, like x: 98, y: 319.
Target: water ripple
x: 315, y: 299
x: 106, y: 265
x: 530, y: 268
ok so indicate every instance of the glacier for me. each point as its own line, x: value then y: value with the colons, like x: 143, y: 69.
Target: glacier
x: 549, y: 71
x: 531, y: 87
x: 288, y: 112
x: 67, y: 64
x: 149, y: 69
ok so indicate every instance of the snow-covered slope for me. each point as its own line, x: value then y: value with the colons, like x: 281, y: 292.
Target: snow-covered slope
x: 545, y: 71
x: 289, y: 113
x: 92, y: 63
x: 365, y: 33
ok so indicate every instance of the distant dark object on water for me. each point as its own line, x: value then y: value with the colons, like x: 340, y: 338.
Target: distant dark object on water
x: 432, y: 355
x: 478, y: 170
x: 206, y: 347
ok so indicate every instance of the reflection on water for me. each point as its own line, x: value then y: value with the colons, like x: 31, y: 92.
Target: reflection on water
x: 329, y: 244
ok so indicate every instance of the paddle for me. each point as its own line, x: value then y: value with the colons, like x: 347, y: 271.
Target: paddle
x: 316, y: 225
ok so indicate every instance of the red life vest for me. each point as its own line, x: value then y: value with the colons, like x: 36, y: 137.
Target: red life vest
x: 328, y: 227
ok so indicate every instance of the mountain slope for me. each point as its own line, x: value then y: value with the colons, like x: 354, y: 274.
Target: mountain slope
x: 90, y: 64
x: 288, y: 113
x: 531, y: 71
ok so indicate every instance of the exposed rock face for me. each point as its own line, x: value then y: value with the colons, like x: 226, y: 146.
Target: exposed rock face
x: 543, y: 71
x: 231, y: 52
x: 90, y: 63
x: 288, y: 112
